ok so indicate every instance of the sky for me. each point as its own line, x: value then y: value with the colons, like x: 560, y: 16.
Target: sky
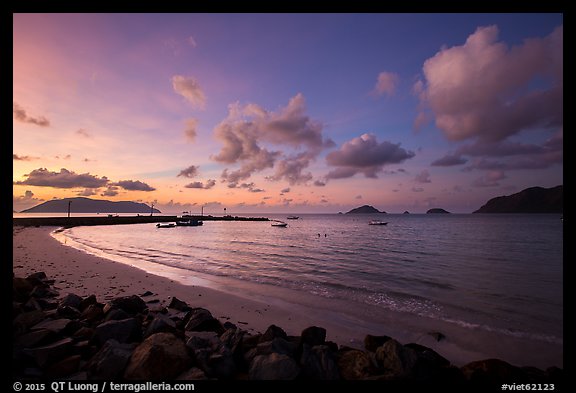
x: 274, y: 113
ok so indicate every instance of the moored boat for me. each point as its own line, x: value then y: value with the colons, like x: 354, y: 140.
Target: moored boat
x: 377, y: 222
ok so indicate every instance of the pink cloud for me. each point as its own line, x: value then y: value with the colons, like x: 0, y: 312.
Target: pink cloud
x: 191, y: 129
x: 482, y: 89
x: 386, y: 83
x: 189, y: 88
x: 247, y: 127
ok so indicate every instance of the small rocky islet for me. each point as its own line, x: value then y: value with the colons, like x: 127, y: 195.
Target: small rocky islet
x: 128, y: 338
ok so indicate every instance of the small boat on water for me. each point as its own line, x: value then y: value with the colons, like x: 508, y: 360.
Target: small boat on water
x: 293, y: 217
x: 189, y: 223
x: 377, y: 222
x: 170, y: 225
x: 279, y: 224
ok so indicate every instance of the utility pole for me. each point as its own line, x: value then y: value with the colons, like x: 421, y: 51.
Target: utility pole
x: 69, y: 203
x: 202, y: 212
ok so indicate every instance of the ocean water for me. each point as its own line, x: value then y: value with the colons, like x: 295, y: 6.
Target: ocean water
x: 500, y: 273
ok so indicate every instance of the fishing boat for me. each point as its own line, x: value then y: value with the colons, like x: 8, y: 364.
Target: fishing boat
x: 377, y: 222
x: 189, y: 223
x: 279, y: 224
x: 170, y: 225
x: 293, y: 217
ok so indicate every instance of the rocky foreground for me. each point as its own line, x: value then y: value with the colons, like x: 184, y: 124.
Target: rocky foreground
x: 127, y: 338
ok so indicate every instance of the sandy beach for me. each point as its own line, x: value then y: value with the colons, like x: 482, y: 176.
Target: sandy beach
x: 74, y: 271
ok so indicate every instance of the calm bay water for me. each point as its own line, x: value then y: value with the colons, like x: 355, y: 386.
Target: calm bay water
x: 495, y: 272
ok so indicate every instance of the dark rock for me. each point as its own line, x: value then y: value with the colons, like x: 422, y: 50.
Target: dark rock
x: 202, y: 340
x: 371, y: 343
x: 313, y: 336
x: 115, y: 314
x: 229, y: 325
x: 64, y: 367
x: 201, y: 320
x: 43, y: 291
x: 491, y: 372
x: 50, y: 353
x: 147, y: 293
x: 272, y: 332
x: 35, y: 338
x: 354, y: 364
x: 555, y: 374
x: 85, y: 349
x: 37, y: 278
x: 21, y: 288
x: 111, y: 361
x: 179, y: 305
x: 125, y: 330
x: 130, y: 304
x: 396, y: 360
x: 84, y: 333
x: 68, y: 312
x: 46, y: 304
x: 534, y: 375
x: 430, y: 366
x: 273, y: 367
x: 33, y: 304
x: 160, y: 356
x: 221, y: 364
x: 159, y: 324
x: 54, y: 325
x: 88, y: 301
x: 94, y: 312
x: 24, y: 321
x: 70, y: 300
x: 194, y: 374
x: 428, y: 354
x: 277, y: 345
x: 79, y: 376
x: 319, y: 363
x: 437, y: 336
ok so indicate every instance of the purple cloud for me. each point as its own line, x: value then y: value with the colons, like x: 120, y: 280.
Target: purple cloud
x: 423, y: 177
x: 134, y: 185
x: 21, y: 115
x: 16, y: 157
x: 190, y: 172
x: 42, y: 177
x: 490, y: 179
x: 205, y: 186
x: 365, y: 155
x: 450, y: 160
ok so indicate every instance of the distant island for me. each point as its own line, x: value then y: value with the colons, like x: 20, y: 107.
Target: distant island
x: 366, y: 209
x: 87, y: 205
x: 437, y: 210
x: 529, y: 200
